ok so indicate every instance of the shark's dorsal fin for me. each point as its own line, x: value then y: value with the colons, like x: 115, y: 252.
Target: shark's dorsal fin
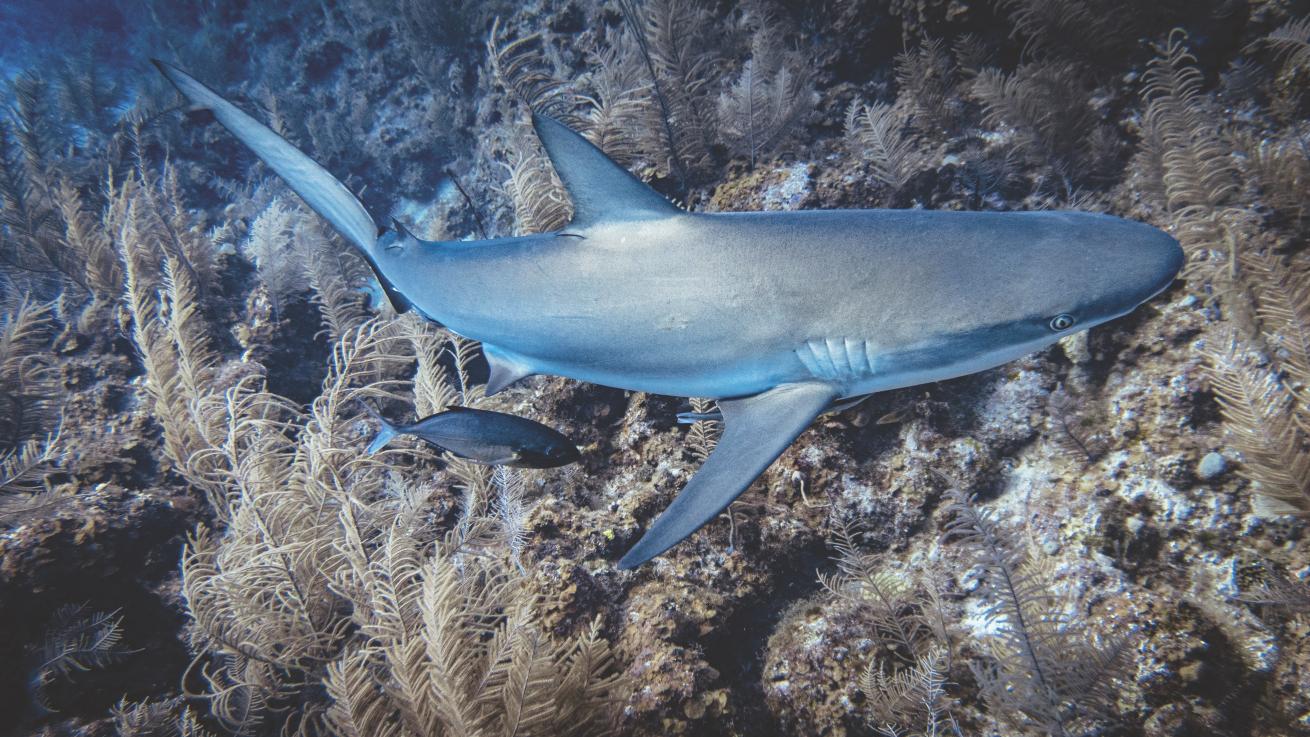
x: 601, y: 190
x: 756, y: 430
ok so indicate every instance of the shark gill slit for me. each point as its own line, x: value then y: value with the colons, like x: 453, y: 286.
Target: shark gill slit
x: 837, y: 359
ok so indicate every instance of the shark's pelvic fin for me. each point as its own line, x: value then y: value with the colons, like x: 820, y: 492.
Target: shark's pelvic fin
x: 716, y: 415
x: 601, y: 190
x: 756, y: 431
x: 505, y: 369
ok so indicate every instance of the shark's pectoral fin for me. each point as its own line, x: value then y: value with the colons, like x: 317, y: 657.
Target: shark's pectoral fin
x: 601, y: 190
x: 505, y: 369
x: 756, y: 431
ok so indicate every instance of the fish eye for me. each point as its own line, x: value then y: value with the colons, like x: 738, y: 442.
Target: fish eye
x: 1062, y: 321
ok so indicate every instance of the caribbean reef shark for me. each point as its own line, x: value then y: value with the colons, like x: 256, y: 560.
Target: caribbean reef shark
x: 778, y: 315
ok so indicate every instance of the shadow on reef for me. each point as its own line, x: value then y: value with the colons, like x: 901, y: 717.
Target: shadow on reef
x: 118, y: 554
x: 737, y: 647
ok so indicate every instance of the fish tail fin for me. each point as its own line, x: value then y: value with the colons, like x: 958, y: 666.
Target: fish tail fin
x: 384, y: 435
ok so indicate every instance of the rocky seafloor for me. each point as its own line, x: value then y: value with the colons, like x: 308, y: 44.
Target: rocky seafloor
x: 1104, y: 537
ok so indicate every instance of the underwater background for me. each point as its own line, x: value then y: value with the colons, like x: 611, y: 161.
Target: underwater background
x: 1106, y: 537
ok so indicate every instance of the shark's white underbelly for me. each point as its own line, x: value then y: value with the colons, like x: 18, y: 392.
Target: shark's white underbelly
x: 855, y: 366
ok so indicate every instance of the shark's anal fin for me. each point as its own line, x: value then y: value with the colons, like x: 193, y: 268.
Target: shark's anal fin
x: 505, y: 369
x: 756, y: 431
x: 601, y: 190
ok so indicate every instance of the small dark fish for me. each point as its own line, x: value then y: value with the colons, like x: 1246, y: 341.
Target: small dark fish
x: 493, y: 438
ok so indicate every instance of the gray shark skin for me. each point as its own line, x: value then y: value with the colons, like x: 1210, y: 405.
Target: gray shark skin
x: 482, y: 436
x: 778, y: 315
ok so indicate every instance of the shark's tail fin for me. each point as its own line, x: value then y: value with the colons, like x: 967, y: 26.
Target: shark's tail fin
x: 385, y: 434
x: 324, y: 193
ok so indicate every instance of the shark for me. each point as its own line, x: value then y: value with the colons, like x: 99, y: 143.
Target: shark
x: 779, y: 316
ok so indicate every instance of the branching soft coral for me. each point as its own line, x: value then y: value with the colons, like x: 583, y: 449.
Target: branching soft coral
x: 676, y: 40
x: 904, y: 682
x: 328, y: 578
x: 76, y: 640
x: 618, y: 97
x: 1260, y: 368
x: 541, y: 203
x: 1268, y: 427
x: 1047, y: 105
x: 1199, y: 177
x: 29, y: 411
x: 878, y: 133
x: 521, y: 67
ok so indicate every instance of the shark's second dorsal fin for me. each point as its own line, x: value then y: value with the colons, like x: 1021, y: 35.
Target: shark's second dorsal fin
x: 601, y: 190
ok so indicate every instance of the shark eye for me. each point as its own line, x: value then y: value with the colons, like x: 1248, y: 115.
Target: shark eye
x: 1062, y: 322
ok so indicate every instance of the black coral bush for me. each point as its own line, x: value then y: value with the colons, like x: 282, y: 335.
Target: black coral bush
x: 773, y: 93
x: 1046, y: 669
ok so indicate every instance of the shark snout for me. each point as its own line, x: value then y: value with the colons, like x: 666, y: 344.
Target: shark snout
x: 1120, y: 264
x: 1158, y: 259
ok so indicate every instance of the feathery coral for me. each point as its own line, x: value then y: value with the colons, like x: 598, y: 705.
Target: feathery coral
x: 773, y: 93
x: 877, y: 132
x: 1046, y: 668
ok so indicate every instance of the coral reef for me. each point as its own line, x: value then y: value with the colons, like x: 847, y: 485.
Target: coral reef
x: 1107, y: 537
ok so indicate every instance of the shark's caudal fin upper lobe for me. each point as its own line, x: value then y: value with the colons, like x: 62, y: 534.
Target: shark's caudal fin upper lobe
x: 601, y: 190
x: 324, y: 193
x: 318, y: 188
x: 756, y: 431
